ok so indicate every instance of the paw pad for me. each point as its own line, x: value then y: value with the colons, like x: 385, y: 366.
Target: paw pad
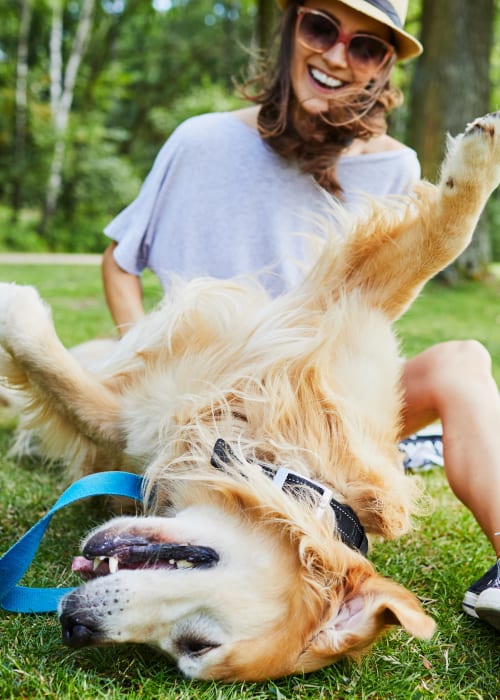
x: 483, y: 124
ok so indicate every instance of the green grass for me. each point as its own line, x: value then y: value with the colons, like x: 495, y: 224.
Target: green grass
x: 438, y: 561
x: 469, y: 310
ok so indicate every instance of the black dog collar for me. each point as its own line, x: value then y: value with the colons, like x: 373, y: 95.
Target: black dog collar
x: 350, y: 529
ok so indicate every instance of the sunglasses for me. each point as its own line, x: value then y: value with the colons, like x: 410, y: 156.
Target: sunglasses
x: 320, y: 32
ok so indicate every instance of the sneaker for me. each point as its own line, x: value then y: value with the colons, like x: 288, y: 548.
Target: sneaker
x: 423, y: 450
x: 482, y: 599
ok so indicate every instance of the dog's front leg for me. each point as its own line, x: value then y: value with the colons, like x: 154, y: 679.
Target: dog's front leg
x: 394, y: 253
x: 35, y: 362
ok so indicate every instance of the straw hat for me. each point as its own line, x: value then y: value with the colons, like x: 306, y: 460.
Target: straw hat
x: 392, y: 13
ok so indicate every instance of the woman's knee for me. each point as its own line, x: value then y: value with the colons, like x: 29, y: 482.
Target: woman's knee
x: 444, y: 377
x: 452, y: 363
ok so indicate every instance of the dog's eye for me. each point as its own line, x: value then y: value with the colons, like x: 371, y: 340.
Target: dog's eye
x: 194, y: 646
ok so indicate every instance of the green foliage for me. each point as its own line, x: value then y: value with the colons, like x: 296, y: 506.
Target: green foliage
x: 403, y: 74
x: 20, y: 235
x: 208, y: 97
x: 466, y: 310
x: 438, y: 561
x: 494, y: 219
x: 139, y: 78
x: 150, y: 64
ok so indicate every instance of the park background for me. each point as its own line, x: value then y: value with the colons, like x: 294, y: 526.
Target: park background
x: 90, y: 90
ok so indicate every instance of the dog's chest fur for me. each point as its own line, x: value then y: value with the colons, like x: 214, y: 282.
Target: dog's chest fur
x: 287, y: 385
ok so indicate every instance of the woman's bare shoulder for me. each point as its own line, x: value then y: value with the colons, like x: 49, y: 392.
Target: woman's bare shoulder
x: 248, y: 115
x: 377, y: 144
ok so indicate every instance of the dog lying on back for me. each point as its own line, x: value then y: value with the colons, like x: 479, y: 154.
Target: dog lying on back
x: 241, y: 569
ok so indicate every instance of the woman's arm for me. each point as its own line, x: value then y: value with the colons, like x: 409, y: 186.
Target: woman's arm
x: 122, y: 290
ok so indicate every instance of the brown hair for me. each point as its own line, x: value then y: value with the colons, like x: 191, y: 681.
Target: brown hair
x: 315, y: 141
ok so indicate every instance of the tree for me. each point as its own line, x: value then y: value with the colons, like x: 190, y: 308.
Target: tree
x: 89, y: 92
x: 21, y: 109
x: 451, y: 86
x: 62, y: 86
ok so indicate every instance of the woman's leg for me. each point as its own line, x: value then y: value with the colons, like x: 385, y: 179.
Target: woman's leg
x: 453, y: 382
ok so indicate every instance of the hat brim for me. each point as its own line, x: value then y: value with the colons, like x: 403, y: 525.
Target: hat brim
x: 406, y: 45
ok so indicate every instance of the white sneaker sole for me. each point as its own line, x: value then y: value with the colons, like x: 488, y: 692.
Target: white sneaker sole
x: 487, y: 607
x: 469, y: 604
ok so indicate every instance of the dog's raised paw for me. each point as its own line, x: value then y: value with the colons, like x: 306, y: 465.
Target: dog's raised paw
x: 480, y: 142
x: 472, y: 166
x: 486, y: 125
x: 17, y: 304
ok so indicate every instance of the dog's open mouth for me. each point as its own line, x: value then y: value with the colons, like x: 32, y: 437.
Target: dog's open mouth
x: 104, y: 554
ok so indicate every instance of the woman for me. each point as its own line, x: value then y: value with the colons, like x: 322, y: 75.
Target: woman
x: 227, y: 191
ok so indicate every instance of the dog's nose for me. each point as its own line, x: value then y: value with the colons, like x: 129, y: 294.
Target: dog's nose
x: 79, y: 626
x: 76, y: 633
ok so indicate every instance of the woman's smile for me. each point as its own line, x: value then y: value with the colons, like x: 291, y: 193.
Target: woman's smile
x: 323, y: 80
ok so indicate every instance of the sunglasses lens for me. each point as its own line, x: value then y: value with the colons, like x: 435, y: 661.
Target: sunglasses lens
x: 318, y: 32
x: 367, y: 51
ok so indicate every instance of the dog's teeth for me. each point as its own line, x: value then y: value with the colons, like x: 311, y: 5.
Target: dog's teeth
x: 97, y: 561
x: 113, y: 565
x: 183, y: 564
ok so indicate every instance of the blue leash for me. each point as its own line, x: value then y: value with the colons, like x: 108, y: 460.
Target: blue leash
x: 15, y: 562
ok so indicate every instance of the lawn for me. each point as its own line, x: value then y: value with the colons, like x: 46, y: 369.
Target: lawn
x: 438, y: 561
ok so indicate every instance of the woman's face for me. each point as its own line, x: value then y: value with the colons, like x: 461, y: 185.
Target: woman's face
x: 317, y: 77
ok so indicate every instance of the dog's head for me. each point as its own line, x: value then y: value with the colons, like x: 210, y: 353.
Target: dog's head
x: 233, y: 593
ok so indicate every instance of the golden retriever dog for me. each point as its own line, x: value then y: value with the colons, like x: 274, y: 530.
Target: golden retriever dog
x: 268, y: 434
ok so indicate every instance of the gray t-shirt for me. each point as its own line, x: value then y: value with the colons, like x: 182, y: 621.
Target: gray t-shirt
x: 219, y: 202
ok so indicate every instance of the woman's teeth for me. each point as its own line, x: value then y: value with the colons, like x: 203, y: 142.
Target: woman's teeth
x: 324, y: 79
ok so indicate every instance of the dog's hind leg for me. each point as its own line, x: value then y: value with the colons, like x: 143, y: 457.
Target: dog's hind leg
x: 395, y: 250
x: 56, y: 387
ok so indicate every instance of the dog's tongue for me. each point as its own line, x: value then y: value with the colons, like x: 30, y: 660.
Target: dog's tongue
x: 87, y: 569
x: 81, y: 564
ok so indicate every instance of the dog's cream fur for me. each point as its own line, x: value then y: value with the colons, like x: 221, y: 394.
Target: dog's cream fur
x: 309, y: 381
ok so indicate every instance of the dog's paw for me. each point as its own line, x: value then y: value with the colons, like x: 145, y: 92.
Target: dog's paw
x: 486, y: 125
x: 22, y: 312
x: 474, y: 157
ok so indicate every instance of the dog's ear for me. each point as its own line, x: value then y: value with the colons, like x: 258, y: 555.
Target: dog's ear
x: 376, y: 604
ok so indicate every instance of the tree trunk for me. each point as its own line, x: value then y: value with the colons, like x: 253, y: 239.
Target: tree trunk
x: 21, y: 118
x: 61, y: 95
x: 451, y: 86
